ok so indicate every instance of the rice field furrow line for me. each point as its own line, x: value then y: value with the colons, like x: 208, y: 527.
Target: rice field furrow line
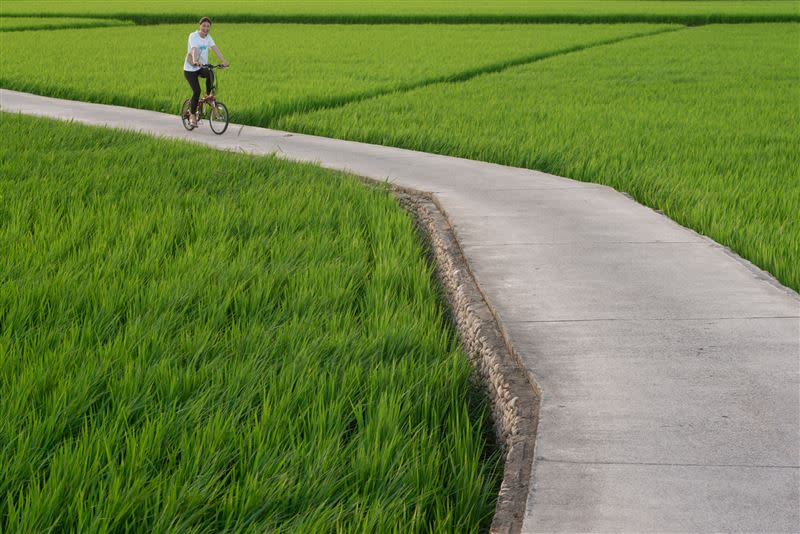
x: 313, y: 106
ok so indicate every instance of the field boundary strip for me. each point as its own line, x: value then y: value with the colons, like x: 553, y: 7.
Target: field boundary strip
x: 143, y: 19
x: 86, y: 24
x: 513, y: 392
x: 312, y: 106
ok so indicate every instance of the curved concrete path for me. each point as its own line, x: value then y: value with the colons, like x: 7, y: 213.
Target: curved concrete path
x: 670, y: 368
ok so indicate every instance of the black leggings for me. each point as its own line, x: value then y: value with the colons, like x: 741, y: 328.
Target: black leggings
x: 194, y: 83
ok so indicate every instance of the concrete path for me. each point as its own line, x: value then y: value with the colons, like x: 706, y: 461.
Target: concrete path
x: 670, y: 368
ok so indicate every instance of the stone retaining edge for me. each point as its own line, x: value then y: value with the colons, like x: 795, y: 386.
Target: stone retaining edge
x: 513, y: 392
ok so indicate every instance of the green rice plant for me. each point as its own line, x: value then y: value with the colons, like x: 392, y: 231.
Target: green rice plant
x: 419, y: 11
x: 280, y: 69
x: 55, y: 23
x: 702, y: 124
x: 194, y: 341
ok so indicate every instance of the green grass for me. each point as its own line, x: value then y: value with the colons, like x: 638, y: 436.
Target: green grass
x: 54, y: 23
x: 279, y: 69
x: 195, y: 341
x: 416, y: 11
x: 702, y: 124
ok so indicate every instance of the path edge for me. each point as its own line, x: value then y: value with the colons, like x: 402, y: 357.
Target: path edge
x: 513, y: 392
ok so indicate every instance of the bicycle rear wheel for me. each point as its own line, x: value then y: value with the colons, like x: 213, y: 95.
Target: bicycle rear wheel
x: 185, y: 112
x: 218, y: 118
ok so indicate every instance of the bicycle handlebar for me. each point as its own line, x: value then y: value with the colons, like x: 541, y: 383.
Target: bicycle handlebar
x: 210, y: 66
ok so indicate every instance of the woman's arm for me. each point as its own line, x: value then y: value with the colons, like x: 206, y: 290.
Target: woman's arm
x: 195, y: 59
x: 218, y: 52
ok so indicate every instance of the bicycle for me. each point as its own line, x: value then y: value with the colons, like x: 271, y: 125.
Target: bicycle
x: 208, y: 107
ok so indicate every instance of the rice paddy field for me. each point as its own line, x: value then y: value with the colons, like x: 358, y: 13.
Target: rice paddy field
x: 194, y: 341
x: 418, y: 11
x: 284, y: 68
x: 703, y: 124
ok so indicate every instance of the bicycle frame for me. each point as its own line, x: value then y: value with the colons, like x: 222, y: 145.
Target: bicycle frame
x: 211, y: 98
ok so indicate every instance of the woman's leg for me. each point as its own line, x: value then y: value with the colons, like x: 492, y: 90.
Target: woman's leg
x: 194, y: 83
x: 208, y: 74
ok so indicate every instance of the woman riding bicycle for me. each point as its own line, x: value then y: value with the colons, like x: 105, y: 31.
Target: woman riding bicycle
x: 197, y: 56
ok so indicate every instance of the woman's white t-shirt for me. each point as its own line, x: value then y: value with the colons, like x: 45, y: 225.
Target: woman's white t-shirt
x: 202, y: 45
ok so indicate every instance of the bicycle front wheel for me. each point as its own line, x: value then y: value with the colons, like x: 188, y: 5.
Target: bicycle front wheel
x: 218, y: 118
